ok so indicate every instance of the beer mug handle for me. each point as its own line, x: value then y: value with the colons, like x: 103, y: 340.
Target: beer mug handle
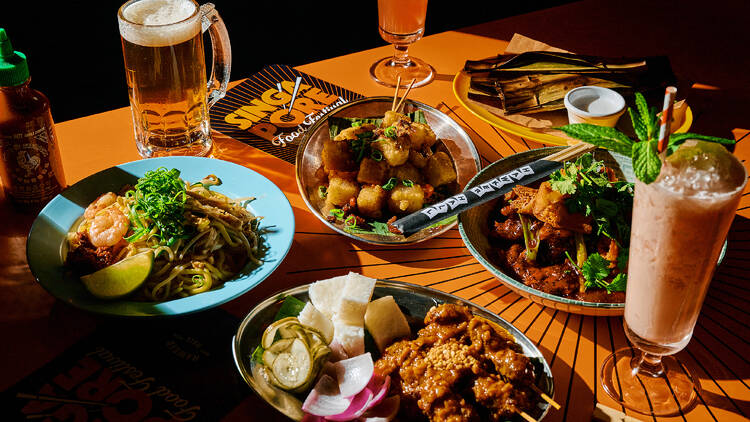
x: 221, y: 52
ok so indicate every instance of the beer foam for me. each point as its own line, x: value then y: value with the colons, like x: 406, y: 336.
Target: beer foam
x: 156, y: 23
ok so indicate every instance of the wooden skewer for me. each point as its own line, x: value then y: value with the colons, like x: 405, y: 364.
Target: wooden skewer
x: 395, y: 95
x: 406, y: 94
x: 546, y: 398
x: 525, y: 416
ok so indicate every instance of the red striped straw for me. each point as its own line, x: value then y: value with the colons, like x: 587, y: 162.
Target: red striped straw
x: 666, y: 118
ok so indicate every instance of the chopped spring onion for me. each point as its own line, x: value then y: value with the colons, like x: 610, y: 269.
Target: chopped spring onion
x: 336, y: 212
x: 390, y: 184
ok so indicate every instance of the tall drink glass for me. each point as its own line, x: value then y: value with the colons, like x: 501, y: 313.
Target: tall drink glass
x: 165, y: 66
x: 401, y: 22
x: 680, y: 222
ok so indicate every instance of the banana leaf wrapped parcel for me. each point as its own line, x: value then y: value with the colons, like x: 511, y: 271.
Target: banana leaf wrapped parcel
x: 537, y: 81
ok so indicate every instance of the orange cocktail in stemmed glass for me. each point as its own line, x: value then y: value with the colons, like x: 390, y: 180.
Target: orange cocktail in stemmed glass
x: 401, y: 22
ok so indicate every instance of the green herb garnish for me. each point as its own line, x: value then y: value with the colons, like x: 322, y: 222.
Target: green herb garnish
x: 531, y: 240
x: 390, y: 184
x: 377, y: 228
x: 408, y: 183
x: 350, y: 221
x: 596, y: 269
x: 322, y: 191
x: 376, y: 155
x: 160, y: 194
x: 390, y: 132
x: 337, y: 212
x: 643, y: 153
x: 361, y: 145
x: 290, y: 307
x: 609, y: 204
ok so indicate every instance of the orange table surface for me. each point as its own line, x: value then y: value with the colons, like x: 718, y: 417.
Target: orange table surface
x: 35, y: 328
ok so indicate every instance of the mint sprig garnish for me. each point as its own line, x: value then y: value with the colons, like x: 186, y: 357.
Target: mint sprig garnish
x: 605, y: 137
x: 642, y: 152
x: 646, y: 162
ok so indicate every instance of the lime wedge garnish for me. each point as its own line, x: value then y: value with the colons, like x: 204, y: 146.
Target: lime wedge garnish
x: 121, y: 278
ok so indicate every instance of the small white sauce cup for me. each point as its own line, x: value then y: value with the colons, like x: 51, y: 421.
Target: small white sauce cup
x: 594, y: 105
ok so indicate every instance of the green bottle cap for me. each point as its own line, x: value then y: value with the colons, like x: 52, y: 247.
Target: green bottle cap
x: 13, y: 67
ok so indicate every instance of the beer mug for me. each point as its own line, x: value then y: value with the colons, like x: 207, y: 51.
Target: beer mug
x: 162, y: 45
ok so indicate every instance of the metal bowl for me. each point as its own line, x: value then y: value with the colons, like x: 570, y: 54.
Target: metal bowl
x: 456, y: 141
x: 474, y: 231
x: 413, y: 300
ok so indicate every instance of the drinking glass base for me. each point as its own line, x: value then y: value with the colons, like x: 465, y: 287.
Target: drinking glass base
x: 662, y: 390
x: 199, y: 148
x: 386, y: 72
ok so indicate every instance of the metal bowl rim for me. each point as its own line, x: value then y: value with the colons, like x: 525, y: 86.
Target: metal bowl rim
x: 306, y: 138
x: 238, y: 354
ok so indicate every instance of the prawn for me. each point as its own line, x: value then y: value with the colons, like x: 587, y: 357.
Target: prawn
x: 99, y: 204
x: 108, y: 227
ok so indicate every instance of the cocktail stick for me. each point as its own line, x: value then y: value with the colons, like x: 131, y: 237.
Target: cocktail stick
x: 406, y: 94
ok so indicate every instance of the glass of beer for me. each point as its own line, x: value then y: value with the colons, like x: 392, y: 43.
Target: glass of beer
x: 165, y: 66
x: 401, y: 22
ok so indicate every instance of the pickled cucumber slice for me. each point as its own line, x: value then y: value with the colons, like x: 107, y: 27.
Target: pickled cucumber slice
x: 280, y: 346
x: 293, y: 368
x: 269, y: 357
x: 270, y: 334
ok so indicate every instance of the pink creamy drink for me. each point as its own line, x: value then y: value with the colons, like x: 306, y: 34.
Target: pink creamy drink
x: 679, y: 226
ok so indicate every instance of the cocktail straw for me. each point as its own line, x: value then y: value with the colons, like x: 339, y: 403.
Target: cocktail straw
x: 666, y: 118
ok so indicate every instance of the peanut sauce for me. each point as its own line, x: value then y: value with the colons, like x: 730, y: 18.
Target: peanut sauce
x: 459, y: 368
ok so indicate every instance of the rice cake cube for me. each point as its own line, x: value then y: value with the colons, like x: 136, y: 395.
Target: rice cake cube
x: 385, y: 322
x: 372, y: 171
x: 340, y: 190
x: 325, y: 295
x: 439, y: 170
x: 313, y: 318
x: 357, y: 293
x: 350, y: 337
x: 371, y: 200
x: 406, y: 199
x: 395, y: 151
x: 337, y: 155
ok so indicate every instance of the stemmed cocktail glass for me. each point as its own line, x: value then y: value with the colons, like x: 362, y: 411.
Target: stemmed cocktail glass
x: 401, y: 22
x: 679, y: 226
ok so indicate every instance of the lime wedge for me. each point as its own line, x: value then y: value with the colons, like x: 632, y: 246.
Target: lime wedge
x: 121, y: 278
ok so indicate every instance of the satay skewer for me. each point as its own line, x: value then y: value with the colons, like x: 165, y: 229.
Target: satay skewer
x: 406, y: 94
x: 538, y: 390
x: 525, y: 415
x: 546, y: 398
x: 395, y: 95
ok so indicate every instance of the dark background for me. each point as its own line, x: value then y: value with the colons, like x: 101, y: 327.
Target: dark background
x: 75, y: 58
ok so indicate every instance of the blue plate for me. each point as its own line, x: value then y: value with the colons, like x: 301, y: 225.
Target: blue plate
x: 46, y: 244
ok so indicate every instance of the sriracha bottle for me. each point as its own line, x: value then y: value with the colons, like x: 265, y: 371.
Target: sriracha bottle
x: 30, y: 167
